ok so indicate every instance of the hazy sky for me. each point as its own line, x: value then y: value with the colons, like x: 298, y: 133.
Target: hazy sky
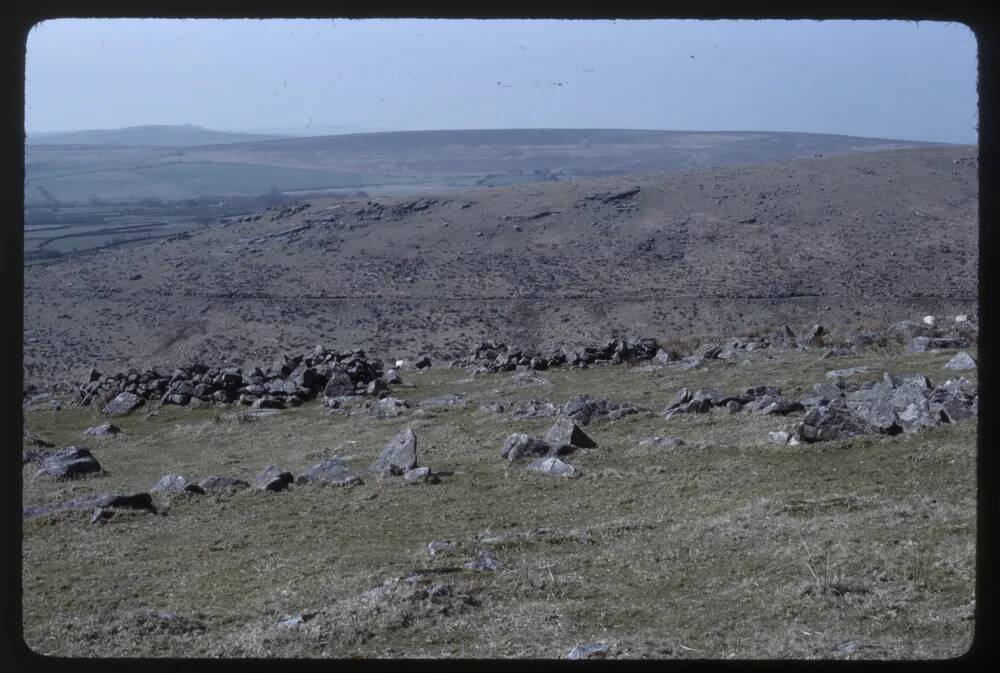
x: 886, y: 79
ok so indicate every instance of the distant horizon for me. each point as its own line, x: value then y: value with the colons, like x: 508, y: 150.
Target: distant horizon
x: 264, y: 132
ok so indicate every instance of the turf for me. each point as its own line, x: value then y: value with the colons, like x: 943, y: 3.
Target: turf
x: 726, y: 547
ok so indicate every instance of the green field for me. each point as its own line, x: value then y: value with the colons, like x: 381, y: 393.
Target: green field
x: 726, y: 547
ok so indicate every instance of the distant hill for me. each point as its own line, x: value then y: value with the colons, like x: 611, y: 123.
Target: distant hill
x: 187, y: 161
x: 186, y: 135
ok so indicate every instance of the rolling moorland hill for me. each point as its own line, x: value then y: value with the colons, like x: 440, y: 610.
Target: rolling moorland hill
x: 136, y: 163
x: 153, y: 134
x: 861, y: 238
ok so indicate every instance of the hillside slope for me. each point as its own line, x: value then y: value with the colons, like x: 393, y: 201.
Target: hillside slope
x: 861, y: 237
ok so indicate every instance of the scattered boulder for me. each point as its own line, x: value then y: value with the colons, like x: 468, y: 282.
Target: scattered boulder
x: 813, y: 337
x: 833, y: 421
x: 69, y: 463
x: 583, y: 409
x: 442, y: 401
x: 217, y: 484
x: 922, y: 344
x: 566, y: 435
x: 961, y: 362
x: 519, y: 445
x: 440, y: 546
x: 377, y: 386
x: 553, y: 467
x: 338, y: 384
x: 333, y: 472
x: 102, y: 430
x: 596, y: 650
x: 775, y: 404
x: 423, y: 363
x: 485, y: 560
x: 103, y: 501
x: 419, y: 475
x: 123, y: 404
x: 389, y: 407
x: 174, y: 483
x: 398, y: 457
x: 779, y: 437
x: 272, y: 478
x: 843, y: 373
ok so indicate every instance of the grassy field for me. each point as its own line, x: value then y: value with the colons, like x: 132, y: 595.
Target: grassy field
x: 726, y: 547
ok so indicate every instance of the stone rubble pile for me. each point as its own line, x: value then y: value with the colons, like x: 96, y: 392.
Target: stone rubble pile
x: 289, y: 381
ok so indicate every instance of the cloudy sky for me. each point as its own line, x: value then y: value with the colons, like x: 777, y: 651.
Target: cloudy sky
x: 886, y: 79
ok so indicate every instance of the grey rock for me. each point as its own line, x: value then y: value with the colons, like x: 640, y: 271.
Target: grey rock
x: 69, y: 463
x: 377, y: 386
x: 103, y: 501
x: 297, y: 619
x: 485, y: 560
x: 756, y: 392
x: 699, y: 406
x: 217, y: 484
x: 520, y: 445
x: 553, y: 467
x: 339, y: 383
x: 833, y: 421
x: 272, y: 478
x: 333, y: 472
x: 567, y: 434
x: 961, y: 362
x: 419, y: 475
x: 689, y: 363
x: 842, y: 373
x: 814, y: 337
x: 389, y: 407
x: 442, y: 401
x: 436, y: 547
x: 775, y: 404
x: 393, y: 377
x: 398, y: 456
x: 596, y: 650
x: 102, y: 430
x: 171, y: 483
x: 123, y: 404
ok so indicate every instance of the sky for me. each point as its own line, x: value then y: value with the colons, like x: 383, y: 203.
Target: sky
x: 884, y: 79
